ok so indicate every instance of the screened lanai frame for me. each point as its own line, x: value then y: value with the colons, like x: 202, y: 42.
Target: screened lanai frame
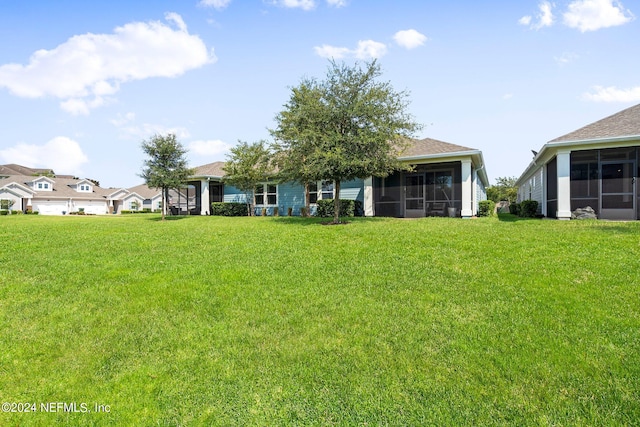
x: 438, y: 188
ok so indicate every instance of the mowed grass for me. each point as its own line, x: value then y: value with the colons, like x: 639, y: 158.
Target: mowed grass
x: 285, y: 321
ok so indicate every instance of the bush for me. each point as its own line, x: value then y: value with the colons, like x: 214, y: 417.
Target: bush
x: 228, y: 209
x: 146, y: 210
x: 514, y: 208
x: 528, y: 208
x: 486, y: 208
x: 124, y: 212
x: 5, y: 212
x: 347, y: 208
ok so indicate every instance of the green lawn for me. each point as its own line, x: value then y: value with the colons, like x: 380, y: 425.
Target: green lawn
x: 284, y: 321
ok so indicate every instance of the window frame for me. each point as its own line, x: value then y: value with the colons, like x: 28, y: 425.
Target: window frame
x: 265, y: 194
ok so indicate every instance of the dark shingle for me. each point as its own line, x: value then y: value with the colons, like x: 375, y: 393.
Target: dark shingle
x: 621, y: 124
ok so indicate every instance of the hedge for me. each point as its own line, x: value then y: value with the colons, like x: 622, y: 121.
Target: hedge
x: 228, y: 209
x: 486, y: 208
x: 528, y: 208
x: 348, y: 208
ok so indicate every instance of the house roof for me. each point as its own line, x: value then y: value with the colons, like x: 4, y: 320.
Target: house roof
x: 427, y: 146
x: 621, y: 124
x: 616, y: 130
x: 214, y: 169
x: 62, y: 187
x: 144, y: 191
x: 13, y: 169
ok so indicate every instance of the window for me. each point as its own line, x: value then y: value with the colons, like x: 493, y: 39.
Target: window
x: 39, y: 186
x: 134, y: 205
x: 266, y: 193
x: 5, y: 204
x: 84, y: 187
x: 313, y: 192
x: 327, y: 190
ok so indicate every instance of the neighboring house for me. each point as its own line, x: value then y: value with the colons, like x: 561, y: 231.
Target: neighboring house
x: 22, y: 189
x: 595, y: 166
x: 53, y: 196
x: 446, y: 180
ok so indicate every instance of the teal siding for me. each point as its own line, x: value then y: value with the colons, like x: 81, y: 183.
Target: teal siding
x: 232, y: 194
x: 290, y: 195
x: 352, y: 190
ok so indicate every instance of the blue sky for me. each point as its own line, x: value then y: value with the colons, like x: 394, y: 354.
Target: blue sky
x: 83, y: 83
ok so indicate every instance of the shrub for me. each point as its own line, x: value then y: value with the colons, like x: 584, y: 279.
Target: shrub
x: 146, y: 210
x: 514, y: 208
x: 528, y: 208
x: 347, y: 208
x: 228, y: 209
x: 4, y: 212
x: 486, y: 208
x: 125, y: 211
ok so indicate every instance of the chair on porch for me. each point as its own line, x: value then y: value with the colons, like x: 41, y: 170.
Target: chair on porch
x: 437, y: 209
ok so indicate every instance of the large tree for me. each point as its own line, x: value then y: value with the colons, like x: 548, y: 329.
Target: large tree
x: 348, y: 126
x: 247, y: 166
x: 166, y: 166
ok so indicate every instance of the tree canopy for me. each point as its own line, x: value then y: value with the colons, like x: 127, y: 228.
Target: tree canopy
x: 248, y: 165
x: 166, y: 166
x: 345, y: 127
x: 504, y: 189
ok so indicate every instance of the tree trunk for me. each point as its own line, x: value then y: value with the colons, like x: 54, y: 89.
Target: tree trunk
x: 336, y: 203
x: 307, y: 203
x: 164, y: 202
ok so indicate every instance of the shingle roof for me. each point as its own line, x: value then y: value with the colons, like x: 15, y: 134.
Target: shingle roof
x: 211, y: 169
x: 62, y: 187
x: 428, y: 146
x: 13, y: 169
x: 621, y: 124
x: 144, y: 191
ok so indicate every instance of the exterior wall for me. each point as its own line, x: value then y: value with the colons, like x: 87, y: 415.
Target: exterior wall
x: 17, y: 201
x: 50, y: 207
x: 233, y: 195
x: 533, y: 188
x: 290, y: 195
x: 94, y: 207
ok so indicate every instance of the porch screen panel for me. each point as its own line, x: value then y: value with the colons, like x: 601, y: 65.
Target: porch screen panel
x: 387, y: 195
x: 552, y: 188
x: 584, y: 180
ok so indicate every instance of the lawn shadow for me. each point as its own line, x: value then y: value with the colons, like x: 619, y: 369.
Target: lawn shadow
x: 168, y: 218
x: 507, y: 217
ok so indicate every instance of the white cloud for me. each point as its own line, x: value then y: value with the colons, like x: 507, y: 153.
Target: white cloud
x: 337, y: 3
x: 61, y: 154
x: 292, y: 4
x: 525, y: 20
x: 565, y: 58
x: 544, y: 17
x: 213, y: 147
x: 507, y: 96
x: 613, y: 94
x: 131, y: 130
x: 216, y: 4
x: 409, y: 39
x: 369, y: 49
x: 591, y: 15
x: 332, y: 52
x: 86, y: 68
x: 366, y: 49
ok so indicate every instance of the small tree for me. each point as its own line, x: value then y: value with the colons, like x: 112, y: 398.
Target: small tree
x: 166, y: 166
x: 505, y: 189
x: 248, y: 165
x: 346, y: 127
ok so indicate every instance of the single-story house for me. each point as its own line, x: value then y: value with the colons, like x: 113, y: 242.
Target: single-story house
x: 595, y: 166
x: 446, y: 180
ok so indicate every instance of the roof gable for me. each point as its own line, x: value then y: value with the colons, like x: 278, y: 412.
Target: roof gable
x: 214, y: 169
x: 625, y: 123
x: 432, y: 147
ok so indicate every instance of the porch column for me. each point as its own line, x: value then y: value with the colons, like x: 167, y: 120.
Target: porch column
x: 204, y: 197
x: 368, y: 196
x: 563, y: 160
x: 467, y: 192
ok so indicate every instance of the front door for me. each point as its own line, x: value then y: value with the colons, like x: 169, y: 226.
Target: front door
x: 618, y: 190
x: 414, y: 196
